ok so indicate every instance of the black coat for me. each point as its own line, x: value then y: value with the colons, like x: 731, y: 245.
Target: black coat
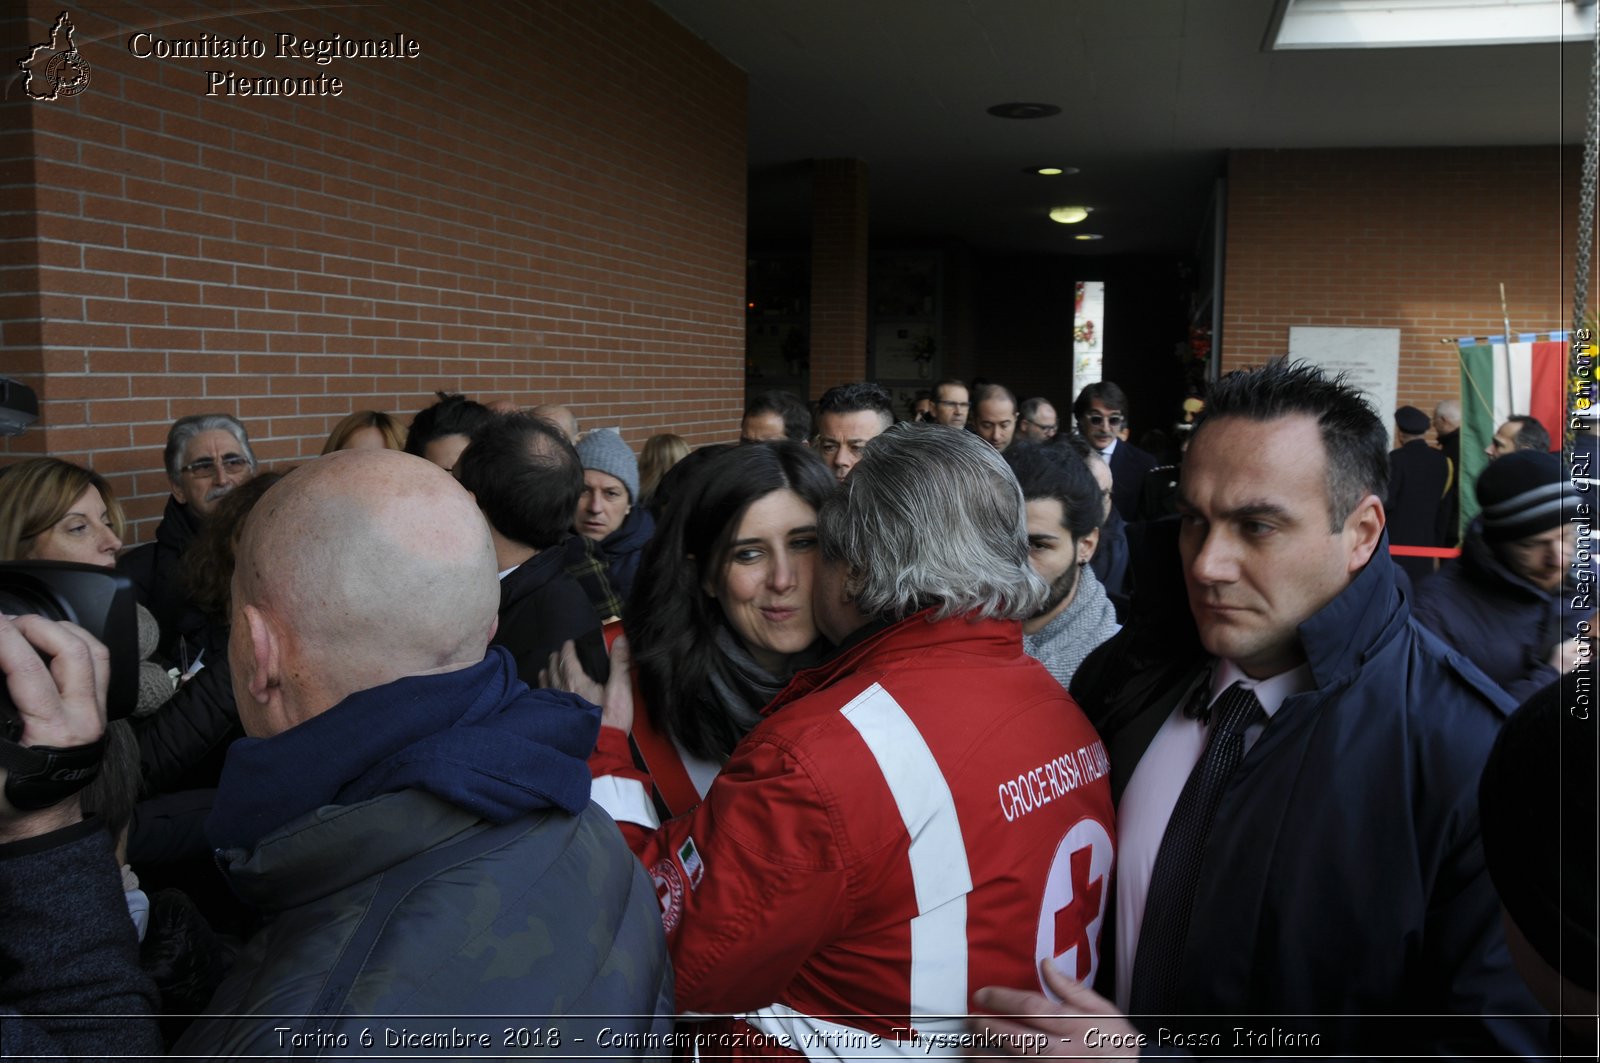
x: 541, y: 607
x: 1419, y: 478
x: 182, y: 744
x: 157, y: 571
x: 1129, y: 465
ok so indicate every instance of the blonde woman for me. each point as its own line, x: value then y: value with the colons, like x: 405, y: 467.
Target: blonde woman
x: 660, y: 453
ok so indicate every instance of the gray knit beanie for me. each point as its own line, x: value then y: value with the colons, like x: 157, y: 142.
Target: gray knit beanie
x: 604, y: 451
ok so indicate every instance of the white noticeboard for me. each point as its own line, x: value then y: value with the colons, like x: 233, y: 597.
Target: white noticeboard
x: 1368, y: 357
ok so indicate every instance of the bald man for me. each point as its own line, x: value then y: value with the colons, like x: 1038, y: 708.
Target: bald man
x: 413, y: 821
x: 559, y: 416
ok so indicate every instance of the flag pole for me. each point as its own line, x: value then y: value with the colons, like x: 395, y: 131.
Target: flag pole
x: 1505, y: 316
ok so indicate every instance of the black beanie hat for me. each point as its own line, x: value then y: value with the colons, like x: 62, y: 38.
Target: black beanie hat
x: 1537, y: 805
x: 1521, y: 494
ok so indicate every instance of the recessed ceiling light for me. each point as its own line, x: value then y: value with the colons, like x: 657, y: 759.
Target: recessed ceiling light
x: 1087, y: 236
x: 1050, y: 171
x: 1069, y: 215
x: 1024, y: 110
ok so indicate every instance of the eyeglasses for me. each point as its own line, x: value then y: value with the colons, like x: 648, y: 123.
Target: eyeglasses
x: 1115, y: 420
x: 954, y: 405
x: 1047, y: 429
x: 206, y: 469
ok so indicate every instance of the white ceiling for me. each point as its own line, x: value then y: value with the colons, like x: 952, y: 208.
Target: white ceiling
x: 1153, y: 93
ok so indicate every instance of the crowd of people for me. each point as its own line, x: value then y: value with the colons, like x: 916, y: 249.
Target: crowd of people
x: 865, y: 734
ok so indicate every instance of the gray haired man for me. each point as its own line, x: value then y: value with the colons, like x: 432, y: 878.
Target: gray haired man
x: 207, y: 455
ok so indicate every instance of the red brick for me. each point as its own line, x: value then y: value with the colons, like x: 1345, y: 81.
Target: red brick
x: 278, y: 238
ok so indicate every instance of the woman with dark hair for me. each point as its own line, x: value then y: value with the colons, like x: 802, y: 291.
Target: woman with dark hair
x: 442, y: 431
x: 719, y: 619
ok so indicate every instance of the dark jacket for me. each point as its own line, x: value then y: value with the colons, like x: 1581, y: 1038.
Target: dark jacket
x: 428, y: 848
x: 183, y: 743
x: 70, y: 982
x: 1418, y: 478
x: 1112, y: 562
x: 157, y: 571
x: 1495, y: 618
x: 541, y: 607
x: 1344, y: 878
x: 1448, y: 529
x: 1129, y: 465
x: 623, y: 548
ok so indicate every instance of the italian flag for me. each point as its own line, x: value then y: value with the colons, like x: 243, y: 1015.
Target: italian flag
x: 1496, y: 383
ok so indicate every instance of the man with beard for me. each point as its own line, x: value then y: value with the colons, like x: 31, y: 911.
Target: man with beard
x: 207, y: 455
x: 1064, y: 508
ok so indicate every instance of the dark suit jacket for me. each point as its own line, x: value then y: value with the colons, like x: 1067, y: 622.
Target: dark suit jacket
x: 1344, y: 876
x: 541, y: 607
x: 1128, y: 466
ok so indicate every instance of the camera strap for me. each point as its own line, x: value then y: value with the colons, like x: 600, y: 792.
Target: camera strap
x: 40, y: 776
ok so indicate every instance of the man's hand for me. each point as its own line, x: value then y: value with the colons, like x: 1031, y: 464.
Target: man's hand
x: 61, y: 705
x: 564, y: 672
x: 1571, y: 653
x: 1019, y: 1017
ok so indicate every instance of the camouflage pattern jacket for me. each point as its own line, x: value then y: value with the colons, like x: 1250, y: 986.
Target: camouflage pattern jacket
x: 404, y: 922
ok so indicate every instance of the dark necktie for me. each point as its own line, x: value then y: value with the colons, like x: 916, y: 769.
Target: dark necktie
x: 1176, y: 874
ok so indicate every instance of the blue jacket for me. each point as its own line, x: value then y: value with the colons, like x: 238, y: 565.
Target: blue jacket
x: 1345, y: 877
x: 428, y: 848
x: 623, y: 548
x: 1495, y: 618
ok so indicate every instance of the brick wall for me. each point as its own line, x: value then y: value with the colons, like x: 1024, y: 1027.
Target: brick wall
x: 547, y: 204
x: 1414, y: 239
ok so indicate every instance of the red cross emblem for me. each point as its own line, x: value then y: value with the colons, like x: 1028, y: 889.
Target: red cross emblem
x: 1072, y: 922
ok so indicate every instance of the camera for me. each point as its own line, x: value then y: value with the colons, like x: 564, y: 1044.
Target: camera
x: 99, y: 600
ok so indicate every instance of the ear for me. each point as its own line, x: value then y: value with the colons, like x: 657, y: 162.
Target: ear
x: 265, y: 654
x: 1363, y: 530
x: 178, y: 492
x: 1087, y: 546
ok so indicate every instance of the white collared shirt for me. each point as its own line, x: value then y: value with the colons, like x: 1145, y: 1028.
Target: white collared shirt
x: 1152, y: 794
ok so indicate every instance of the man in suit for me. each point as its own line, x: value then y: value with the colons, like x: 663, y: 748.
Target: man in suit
x: 1101, y: 413
x: 1295, y: 764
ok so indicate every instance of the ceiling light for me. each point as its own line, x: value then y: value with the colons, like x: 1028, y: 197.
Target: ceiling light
x: 1050, y: 171
x: 1087, y: 236
x: 1308, y: 24
x: 1024, y: 110
x: 1069, y: 215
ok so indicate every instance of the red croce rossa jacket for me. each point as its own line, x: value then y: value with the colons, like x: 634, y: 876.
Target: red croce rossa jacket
x: 923, y: 815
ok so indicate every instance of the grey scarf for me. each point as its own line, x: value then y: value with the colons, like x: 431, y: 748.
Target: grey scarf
x: 1062, y: 644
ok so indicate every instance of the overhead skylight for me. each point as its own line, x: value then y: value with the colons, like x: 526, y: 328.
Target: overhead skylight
x: 1308, y: 24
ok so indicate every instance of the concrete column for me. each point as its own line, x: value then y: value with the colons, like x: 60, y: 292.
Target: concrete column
x: 838, y: 273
